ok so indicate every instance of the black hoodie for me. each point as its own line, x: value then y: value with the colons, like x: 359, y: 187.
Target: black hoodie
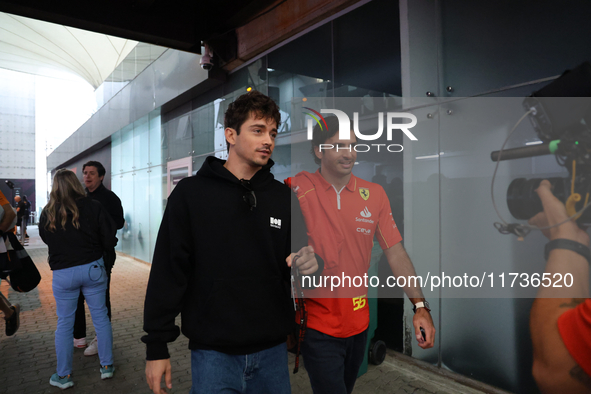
x: 221, y: 265
x: 70, y: 246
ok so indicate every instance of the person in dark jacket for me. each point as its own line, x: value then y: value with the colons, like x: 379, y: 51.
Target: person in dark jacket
x: 220, y: 260
x: 23, y: 209
x: 77, y: 230
x: 94, y: 173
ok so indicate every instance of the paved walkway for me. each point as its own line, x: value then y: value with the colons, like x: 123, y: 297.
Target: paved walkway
x: 27, y: 359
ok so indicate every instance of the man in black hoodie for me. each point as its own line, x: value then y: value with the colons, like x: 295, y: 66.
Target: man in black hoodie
x: 221, y: 260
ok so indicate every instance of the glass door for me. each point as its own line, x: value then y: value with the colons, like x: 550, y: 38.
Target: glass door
x: 177, y: 170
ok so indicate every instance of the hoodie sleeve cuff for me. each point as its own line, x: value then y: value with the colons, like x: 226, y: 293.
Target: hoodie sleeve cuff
x: 157, y: 351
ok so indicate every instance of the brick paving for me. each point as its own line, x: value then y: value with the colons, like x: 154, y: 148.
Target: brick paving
x: 27, y: 359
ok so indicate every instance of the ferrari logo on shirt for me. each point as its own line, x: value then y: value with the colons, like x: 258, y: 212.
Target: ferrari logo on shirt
x: 364, y: 193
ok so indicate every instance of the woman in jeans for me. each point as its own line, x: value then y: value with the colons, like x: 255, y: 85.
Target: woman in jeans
x: 77, y: 231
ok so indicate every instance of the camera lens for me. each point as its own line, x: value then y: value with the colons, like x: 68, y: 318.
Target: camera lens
x: 523, y: 201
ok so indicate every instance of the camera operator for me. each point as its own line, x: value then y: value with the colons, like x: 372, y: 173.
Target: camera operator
x: 561, y: 327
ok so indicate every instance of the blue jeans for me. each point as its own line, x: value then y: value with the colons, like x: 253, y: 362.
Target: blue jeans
x: 333, y: 363
x: 91, y: 279
x: 257, y: 373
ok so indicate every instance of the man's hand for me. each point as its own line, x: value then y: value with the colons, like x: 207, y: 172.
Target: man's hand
x: 305, y: 262
x: 554, y: 213
x: 423, y: 319
x: 154, y: 371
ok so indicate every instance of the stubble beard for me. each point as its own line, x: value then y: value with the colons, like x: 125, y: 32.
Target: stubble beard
x: 260, y: 162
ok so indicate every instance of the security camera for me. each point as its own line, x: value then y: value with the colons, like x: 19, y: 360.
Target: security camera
x: 206, y: 61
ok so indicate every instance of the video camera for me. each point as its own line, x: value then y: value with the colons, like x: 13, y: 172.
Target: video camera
x: 560, y: 113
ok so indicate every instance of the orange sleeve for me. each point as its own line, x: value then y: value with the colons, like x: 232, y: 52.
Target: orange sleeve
x: 3, y: 200
x: 575, y: 329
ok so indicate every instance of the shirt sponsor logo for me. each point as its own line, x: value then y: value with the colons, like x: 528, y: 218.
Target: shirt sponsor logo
x: 365, y: 213
x: 392, y: 217
x: 276, y: 223
x: 365, y: 231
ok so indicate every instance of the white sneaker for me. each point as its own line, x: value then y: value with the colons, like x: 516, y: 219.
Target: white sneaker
x: 92, y: 349
x: 80, y: 343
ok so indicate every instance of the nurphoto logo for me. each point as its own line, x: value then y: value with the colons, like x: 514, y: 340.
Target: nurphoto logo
x: 344, y: 124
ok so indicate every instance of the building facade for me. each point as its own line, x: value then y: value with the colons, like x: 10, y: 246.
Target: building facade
x: 17, y: 134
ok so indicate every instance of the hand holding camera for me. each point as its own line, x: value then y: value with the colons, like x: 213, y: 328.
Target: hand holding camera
x: 555, y: 213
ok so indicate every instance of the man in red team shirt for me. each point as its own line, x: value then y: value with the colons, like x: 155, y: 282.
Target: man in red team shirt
x: 343, y: 214
x: 560, y: 326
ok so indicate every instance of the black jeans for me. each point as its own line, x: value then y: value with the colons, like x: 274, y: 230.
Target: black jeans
x: 80, y: 320
x: 333, y: 363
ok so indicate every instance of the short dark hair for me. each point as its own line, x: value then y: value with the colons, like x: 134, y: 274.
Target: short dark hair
x: 255, y: 102
x: 99, y: 167
x: 320, y: 135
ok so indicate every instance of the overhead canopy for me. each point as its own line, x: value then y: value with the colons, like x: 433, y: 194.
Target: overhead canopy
x: 178, y: 24
x: 47, y: 49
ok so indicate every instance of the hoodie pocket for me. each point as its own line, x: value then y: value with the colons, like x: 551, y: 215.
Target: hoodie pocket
x: 243, y: 312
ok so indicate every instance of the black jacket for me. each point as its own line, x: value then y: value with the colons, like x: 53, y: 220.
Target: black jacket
x: 70, y: 247
x: 110, y: 202
x: 24, y: 209
x: 221, y: 265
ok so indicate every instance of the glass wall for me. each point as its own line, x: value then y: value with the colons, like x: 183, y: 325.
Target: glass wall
x: 301, y: 68
x: 458, y: 49
x: 134, y: 63
x: 138, y: 178
x: 196, y: 130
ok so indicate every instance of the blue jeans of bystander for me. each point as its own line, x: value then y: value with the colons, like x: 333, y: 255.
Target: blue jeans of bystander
x: 91, y: 279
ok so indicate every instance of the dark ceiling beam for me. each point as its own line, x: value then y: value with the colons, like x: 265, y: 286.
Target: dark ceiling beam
x: 279, y: 22
x: 178, y: 24
x: 108, y: 18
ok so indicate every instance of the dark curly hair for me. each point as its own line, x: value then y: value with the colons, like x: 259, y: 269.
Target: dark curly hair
x: 99, y: 167
x: 320, y: 135
x: 239, y: 111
